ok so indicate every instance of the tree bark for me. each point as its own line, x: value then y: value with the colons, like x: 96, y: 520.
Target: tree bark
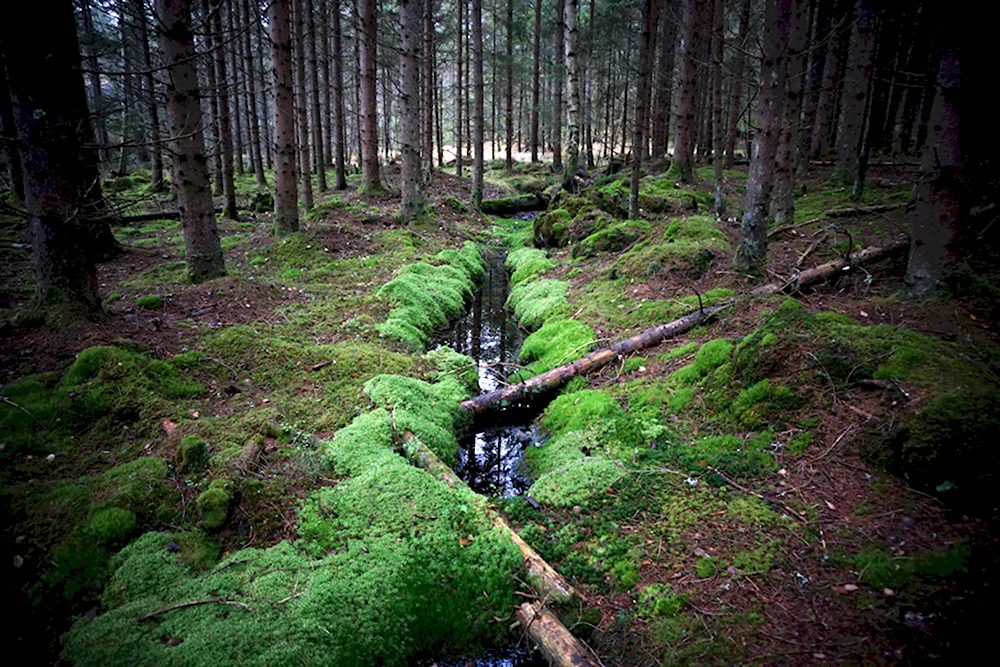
x: 941, y: 213
x: 238, y: 85
x: 459, y: 21
x: 286, y: 196
x: 751, y: 253
x: 302, y: 103
x: 573, y: 95
x: 557, y: 104
x: 560, y: 648
x: 535, y: 79
x: 428, y: 106
x: 225, y: 129
x: 129, y: 65
x: 477, y: 83
x: 94, y: 77
x: 410, y: 15
x: 855, y: 105
x: 213, y: 122
x: 666, y: 45
x: 718, y: 30
x: 736, y: 89
x: 650, y: 11
x: 820, y: 38
x: 370, y: 180
x: 8, y: 133
x: 833, y: 66
x: 253, y: 124
x: 309, y: 35
x: 149, y: 90
x: 509, y: 97
x: 787, y: 160
x: 340, y: 168
x: 189, y: 173
x: 686, y: 132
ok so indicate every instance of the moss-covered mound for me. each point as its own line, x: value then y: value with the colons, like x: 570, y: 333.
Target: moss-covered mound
x: 550, y: 228
x: 392, y: 566
x: 688, y: 243
x: 425, y: 296
x: 614, y: 237
x: 527, y: 263
x: 656, y: 196
x: 559, y: 341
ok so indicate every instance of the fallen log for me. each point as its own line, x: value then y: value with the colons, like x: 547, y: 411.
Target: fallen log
x: 557, y: 644
x: 546, y: 581
x: 855, y: 211
x: 598, y: 359
x: 149, y: 217
x: 517, y: 204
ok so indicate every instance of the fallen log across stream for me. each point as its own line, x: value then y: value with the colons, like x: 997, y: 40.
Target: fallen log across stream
x: 599, y: 358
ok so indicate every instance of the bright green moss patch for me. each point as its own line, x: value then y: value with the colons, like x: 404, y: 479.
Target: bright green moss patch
x: 527, y: 264
x: 535, y: 301
x: 573, y: 412
x: 614, y: 237
x: 449, y: 363
x: 192, y: 453
x: 558, y: 341
x: 656, y: 195
x: 550, y: 228
x: 111, y: 525
x: 576, y: 482
x: 424, y: 296
x: 174, y: 272
x: 214, y: 503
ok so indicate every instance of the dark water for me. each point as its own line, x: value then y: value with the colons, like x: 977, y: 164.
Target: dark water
x: 490, y: 452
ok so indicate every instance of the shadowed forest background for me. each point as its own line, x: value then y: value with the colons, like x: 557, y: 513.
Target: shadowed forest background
x: 433, y: 332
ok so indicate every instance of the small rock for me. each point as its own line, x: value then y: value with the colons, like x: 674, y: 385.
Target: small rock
x: 864, y: 314
x: 193, y: 414
x: 819, y: 656
x: 850, y: 588
x: 173, y: 547
x: 19, y: 539
x: 577, y: 509
x: 907, y: 521
x: 642, y: 369
x: 50, y: 457
x: 888, y: 592
x: 18, y: 561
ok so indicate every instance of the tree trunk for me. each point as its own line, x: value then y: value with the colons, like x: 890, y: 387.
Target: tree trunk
x: 189, y: 173
x: 686, y: 132
x: 751, y: 254
x: 253, y: 119
x: 238, y: 86
x: 557, y: 105
x: 940, y: 215
x: 61, y: 186
x: 784, y: 177
x: 666, y: 45
x: 573, y: 95
x: 325, y: 67
x: 857, y: 82
x: 535, y: 79
x: 428, y: 105
x: 225, y: 130
x: 370, y: 180
x: 410, y: 15
x: 129, y: 64
x: 213, y: 123
x: 736, y: 89
x: 94, y: 77
x: 833, y: 67
x: 309, y: 35
x: 267, y: 139
x: 286, y: 196
x: 718, y: 30
x: 650, y: 11
x: 459, y: 21
x: 339, y: 133
x: 509, y: 158
x: 820, y: 39
x: 8, y: 134
x: 302, y: 103
x: 477, y: 69
x: 149, y: 91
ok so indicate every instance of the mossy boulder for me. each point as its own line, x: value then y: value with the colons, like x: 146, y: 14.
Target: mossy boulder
x: 616, y: 236
x: 262, y: 202
x: 149, y: 302
x: 657, y: 195
x: 511, y: 205
x: 550, y: 228
x: 214, y: 503
x: 192, y: 454
x: 587, y: 222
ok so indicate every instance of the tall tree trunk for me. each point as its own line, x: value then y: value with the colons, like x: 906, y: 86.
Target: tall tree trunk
x: 309, y: 35
x: 338, y: 100
x: 477, y: 69
x: 857, y: 94
x: 917, y: 76
x: 786, y: 162
x: 535, y: 79
x: 718, y: 47
x: 438, y: 120
x: 8, y: 134
x: 940, y: 214
x: 666, y: 45
x: 650, y: 10
x: 459, y: 21
x: 589, y: 87
x: 557, y: 105
x: 325, y: 67
x: 833, y: 67
x: 189, y: 173
x: 686, y: 133
x: 751, y: 253
x: 736, y: 89
x: 428, y: 106
x: 94, y: 77
x: 410, y: 14
x: 213, y: 98
x: 509, y: 159
x: 61, y: 185
x: 225, y: 130
x: 149, y: 91
x: 370, y: 180
x: 265, y: 140
x: 238, y: 85
x: 573, y: 96
x: 254, y: 121
x: 286, y: 195
x: 129, y: 65
x: 302, y: 103
x: 819, y: 40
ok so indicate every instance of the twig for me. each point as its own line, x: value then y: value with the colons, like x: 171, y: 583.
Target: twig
x: 812, y: 247
x: 744, y: 489
x: 785, y: 228
x: 835, y: 443
x: 195, y: 603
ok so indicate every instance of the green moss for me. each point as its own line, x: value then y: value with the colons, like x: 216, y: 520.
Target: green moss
x: 214, y: 503
x: 688, y: 243
x: 513, y: 233
x: 656, y: 195
x: 626, y: 574
x: 557, y: 342
x: 197, y: 550
x: 616, y: 236
x: 111, y: 525
x: 149, y: 302
x: 192, y: 454
x: 659, y: 600
x: 535, y: 301
x: 449, y: 363
x: 576, y: 483
x: 706, y: 567
x: 174, y: 272
x: 527, y: 264
x: 573, y: 412
x: 550, y: 228
x: 508, y: 205
x: 633, y: 364
x: 111, y: 298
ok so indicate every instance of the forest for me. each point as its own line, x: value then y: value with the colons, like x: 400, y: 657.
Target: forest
x: 496, y: 333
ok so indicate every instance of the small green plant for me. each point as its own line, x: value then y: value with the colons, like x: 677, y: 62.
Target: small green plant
x: 149, y: 302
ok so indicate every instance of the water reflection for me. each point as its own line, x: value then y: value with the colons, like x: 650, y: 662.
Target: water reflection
x: 490, y: 454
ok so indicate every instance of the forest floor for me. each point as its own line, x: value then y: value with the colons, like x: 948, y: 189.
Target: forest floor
x: 741, y: 495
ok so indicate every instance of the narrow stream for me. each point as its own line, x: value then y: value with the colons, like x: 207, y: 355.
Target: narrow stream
x: 490, y: 457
